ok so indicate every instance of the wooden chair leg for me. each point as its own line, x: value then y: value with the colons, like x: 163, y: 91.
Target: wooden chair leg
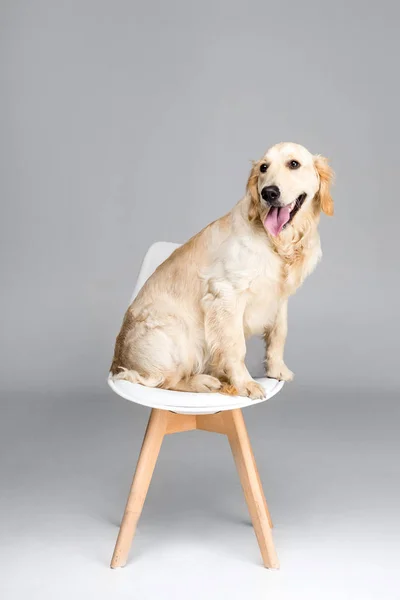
x: 156, y: 428
x: 262, y: 491
x: 248, y: 474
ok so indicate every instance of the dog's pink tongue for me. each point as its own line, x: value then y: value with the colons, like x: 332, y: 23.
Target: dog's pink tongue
x: 276, y: 219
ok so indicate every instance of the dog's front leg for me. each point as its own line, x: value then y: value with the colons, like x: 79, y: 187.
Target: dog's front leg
x: 275, y: 338
x: 226, y: 342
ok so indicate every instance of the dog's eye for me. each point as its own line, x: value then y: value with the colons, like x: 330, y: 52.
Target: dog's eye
x: 293, y: 164
x: 263, y: 168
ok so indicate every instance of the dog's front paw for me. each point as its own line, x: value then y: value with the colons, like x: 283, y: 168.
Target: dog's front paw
x: 252, y: 389
x: 279, y: 371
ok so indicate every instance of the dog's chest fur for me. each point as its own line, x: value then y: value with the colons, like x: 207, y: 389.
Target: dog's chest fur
x: 255, y: 273
x: 266, y: 276
x: 297, y: 261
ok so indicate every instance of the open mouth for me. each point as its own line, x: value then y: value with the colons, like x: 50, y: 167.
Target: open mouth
x: 279, y: 217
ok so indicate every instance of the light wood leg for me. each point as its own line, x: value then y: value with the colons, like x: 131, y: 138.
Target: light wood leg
x: 263, y: 495
x: 245, y: 464
x: 156, y: 428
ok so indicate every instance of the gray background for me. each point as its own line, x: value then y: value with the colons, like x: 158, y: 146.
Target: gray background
x: 123, y: 123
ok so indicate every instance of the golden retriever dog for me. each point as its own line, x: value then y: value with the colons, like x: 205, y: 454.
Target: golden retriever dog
x: 187, y: 328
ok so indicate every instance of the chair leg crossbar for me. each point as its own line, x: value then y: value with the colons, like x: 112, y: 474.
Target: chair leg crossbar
x: 230, y: 423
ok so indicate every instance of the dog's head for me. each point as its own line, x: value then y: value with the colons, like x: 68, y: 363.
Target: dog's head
x: 289, y: 185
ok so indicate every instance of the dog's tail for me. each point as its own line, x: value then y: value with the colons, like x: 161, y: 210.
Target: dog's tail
x: 135, y: 377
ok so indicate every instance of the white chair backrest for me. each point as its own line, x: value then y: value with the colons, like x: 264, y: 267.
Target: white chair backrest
x: 155, y: 255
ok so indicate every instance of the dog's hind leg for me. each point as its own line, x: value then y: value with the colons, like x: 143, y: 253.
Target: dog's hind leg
x: 196, y: 383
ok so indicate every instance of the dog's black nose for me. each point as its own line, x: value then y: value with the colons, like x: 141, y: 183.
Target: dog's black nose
x: 270, y: 193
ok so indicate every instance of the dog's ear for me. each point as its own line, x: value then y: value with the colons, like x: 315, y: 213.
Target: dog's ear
x: 252, y: 191
x: 326, y: 176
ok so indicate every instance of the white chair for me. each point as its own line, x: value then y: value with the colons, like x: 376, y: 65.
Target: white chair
x: 173, y: 412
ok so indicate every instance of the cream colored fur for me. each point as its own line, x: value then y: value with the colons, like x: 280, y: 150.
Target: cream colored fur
x: 187, y: 327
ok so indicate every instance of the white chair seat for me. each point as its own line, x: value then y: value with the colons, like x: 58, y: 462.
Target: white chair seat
x: 189, y: 402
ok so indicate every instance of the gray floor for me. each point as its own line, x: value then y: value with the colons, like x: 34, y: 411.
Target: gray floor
x: 330, y: 468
